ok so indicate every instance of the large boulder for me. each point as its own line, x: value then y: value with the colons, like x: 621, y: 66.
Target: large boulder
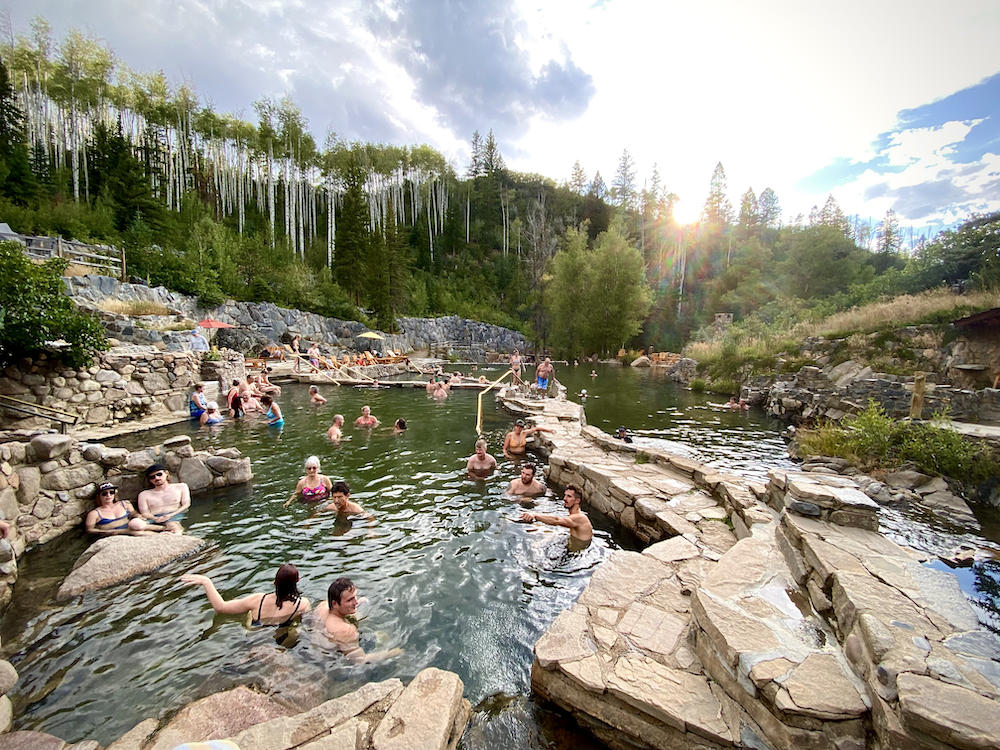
x: 118, y: 558
x: 218, y: 716
x: 431, y: 714
x: 51, y: 446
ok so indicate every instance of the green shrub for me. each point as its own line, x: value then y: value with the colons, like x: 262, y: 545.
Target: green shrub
x: 873, y: 440
x: 33, y: 311
x: 697, y: 385
x: 641, y: 457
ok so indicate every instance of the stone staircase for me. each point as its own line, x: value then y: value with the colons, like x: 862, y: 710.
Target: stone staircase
x: 760, y: 616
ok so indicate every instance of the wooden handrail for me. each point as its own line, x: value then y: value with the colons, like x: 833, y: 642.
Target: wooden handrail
x: 487, y: 389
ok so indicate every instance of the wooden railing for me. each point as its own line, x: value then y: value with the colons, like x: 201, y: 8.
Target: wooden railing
x: 105, y: 259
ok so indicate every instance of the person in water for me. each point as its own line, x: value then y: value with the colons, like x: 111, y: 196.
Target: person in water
x: 340, y: 500
x: 580, y: 529
x: 399, y: 426
x: 114, y: 516
x: 235, y: 401
x: 622, y: 435
x: 366, y: 419
x: 440, y: 391
x: 314, y: 397
x: 480, y: 464
x: 163, y: 501
x: 280, y: 608
x: 335, y: 433
x: 273, y: 414
x: 340, y: 626
x: 197, y: 402
x: 211, y: 415
x: 515, y: 443
x: 526, y: 484
x: 313, y: 486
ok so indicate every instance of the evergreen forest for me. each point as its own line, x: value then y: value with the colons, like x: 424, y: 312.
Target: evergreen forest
x: 221, y: 206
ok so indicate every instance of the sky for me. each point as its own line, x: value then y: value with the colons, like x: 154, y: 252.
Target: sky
x: 881, y: 103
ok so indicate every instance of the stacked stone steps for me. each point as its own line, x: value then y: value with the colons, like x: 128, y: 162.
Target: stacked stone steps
x: 811, y: 631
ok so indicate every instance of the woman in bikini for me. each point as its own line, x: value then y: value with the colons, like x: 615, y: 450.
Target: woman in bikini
x: 515, y: 444
x: 279, y: 609
x: 313, y: 486
x: 366, y: 419
x: 114, y: 516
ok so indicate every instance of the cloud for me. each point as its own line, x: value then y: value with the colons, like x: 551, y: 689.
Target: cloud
x: 470, y: 61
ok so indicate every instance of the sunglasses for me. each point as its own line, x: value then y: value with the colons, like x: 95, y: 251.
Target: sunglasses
x: 108, y: 492
x: 157, y: 474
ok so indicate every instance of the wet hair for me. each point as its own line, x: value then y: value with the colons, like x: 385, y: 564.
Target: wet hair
x: 341, y: 487
x: 312, y: 461
x: 481, y: 443
x: 266, y: 400
x: 530, y: 467
x: 286, y: 584
x: 575, y: 489
x: 337, y: 590
x: 400, y: 424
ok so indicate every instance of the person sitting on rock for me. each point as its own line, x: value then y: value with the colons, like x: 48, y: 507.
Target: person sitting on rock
x: 622, y: 435
x: 264, y: 385
x: 340, y: 624
x: 163, y: 501
x: 197, y: 403
x: 279, y: 609
x: 114, y: 516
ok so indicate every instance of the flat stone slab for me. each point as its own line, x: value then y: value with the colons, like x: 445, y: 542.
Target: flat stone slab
x: 671, y: 550
x: 948, y: 713
x: 423, y: 717
x: 819, y: 687
x: 565, y: 640
x: 118, y: 558
x: 287, y: 732
x: 677, y: 698
x: 623, y: 579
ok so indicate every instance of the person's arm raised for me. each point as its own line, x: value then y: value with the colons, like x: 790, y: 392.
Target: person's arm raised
x: 220, y: 605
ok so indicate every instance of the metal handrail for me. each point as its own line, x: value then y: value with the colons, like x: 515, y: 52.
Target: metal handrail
x: 37, y: 410
x: 487, y: 389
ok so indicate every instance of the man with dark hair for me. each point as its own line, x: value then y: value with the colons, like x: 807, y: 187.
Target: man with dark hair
x: 526, y: 484
x: 340, y: 497
x: 164, y: 501
x: 577, y: 521
x: 342, y: 603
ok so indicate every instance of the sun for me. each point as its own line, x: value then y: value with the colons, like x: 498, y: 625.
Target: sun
x: 686, y: 212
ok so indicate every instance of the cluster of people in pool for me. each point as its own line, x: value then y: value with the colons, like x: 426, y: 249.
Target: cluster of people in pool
x: 162, y: 505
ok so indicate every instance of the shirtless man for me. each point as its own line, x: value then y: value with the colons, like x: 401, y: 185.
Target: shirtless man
x: 340, y: 497
x: 314, y: 396
x: 366, y: 419
x: 481, y: 464
x: 342, y: 603
x: 515, y: 444
x: 543, y: 373
x: 163, y: 501
x: 440, y: 391
x: 526, y: 484
x: 334, y: 433
x: 577, y: 522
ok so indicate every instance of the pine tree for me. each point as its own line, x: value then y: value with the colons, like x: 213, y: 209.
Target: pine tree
x: 476, y: 158
x: 578, y: 179
x: 352, y: 238
x: 597, y: 187
x: 749, y: 214
x: 718, y: 211
x: 769, y: 209
x: 887, y: 236
x: 492, y: 160
x: 623, y: 187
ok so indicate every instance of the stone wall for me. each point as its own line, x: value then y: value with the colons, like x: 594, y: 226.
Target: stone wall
x: 833, y: 392
x: 121, y: 385
x: 263, y: 323
x: 47, y: 484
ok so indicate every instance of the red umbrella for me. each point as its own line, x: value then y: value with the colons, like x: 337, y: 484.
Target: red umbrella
x: 209, y: 323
